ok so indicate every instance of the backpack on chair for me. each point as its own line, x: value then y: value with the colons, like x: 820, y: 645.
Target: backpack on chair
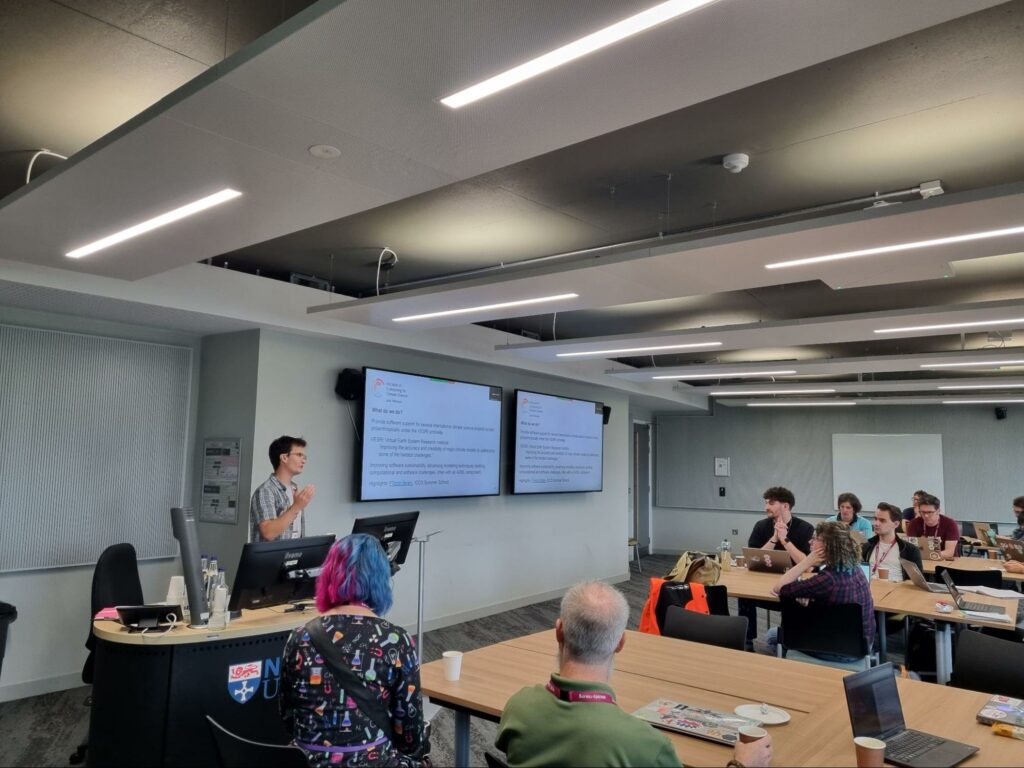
x: 695, y: 566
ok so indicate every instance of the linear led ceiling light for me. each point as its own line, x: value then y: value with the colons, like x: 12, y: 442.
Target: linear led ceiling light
x: 986, y: 363
x: 950, y: 326
x: 633, y: 25
x: 984, y: 386
x: 155, y: 223
x: 774, y: 392
x: 485, y: 307
x: 607, y: 352
x: 798, y: 403
x: 897, y: 248
x: 980, y: 402
x: 729, y: 375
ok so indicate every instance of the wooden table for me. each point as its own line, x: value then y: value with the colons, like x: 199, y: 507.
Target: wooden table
x: 651, y: 667
x: 972, y: 564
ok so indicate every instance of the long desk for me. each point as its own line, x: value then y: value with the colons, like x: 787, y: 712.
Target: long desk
x: 972, y: 564
x: 889, y: 597
x: 650, y: 667
x: 152, y: 692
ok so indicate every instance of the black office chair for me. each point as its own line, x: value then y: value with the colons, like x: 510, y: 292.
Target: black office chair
x: 723, y: 631
x: 964, y: 578
x: 989, y: 664
x: 115, y: 581
x: 493, y: 761
x: 233, y: 751
x: 813, y: 629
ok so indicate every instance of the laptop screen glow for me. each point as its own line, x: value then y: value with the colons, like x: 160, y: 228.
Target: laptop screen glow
x: 874, y: 702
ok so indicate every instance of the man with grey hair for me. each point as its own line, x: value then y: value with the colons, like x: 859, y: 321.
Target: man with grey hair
x: 574, y: 720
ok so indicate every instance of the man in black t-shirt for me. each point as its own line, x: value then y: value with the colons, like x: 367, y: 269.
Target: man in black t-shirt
x: 779, y: 530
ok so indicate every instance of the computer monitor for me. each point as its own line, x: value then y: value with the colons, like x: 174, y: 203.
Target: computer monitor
x: 278, y: 572
x: 393, y: 531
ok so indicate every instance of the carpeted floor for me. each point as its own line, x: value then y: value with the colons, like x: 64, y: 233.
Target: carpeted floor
x: 44, y: 730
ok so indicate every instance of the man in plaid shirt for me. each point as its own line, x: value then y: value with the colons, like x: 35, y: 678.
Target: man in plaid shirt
x: 276, y: 507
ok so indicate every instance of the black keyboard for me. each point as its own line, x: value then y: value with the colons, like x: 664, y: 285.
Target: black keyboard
x: 909, y: 744
x: 980, y: 607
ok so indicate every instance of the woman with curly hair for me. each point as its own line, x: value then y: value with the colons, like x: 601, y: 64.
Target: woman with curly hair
x: 839, y: 580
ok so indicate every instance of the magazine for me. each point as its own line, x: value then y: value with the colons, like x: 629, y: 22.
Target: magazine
x: 1002, y: 709
x: 694, y: 721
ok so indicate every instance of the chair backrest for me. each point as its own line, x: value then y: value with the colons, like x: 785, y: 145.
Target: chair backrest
x: 964, y: 578
x: 493, y: 761
x: 115, y: 581
x: 718, y: 599
x: 818, y: 628
x: 989, y: 664
x: 723, y: 631
x: 237, y: 752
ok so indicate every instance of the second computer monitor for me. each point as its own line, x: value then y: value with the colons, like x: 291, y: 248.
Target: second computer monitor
x: 393, y: 531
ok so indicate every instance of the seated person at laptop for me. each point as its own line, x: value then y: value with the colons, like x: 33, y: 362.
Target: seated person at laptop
x: 849, y: 507
x: 1018, y: 513
x: 840, y: 581
x: 933, y: 524
x: 340, y: 703
x: 885, y: 549
x: 780, y: 529
x: 913, y: 511
x: 574, y: 720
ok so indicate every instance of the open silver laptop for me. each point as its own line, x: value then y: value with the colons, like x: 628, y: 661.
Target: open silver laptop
x: 919, y: 580
x: 1013, y: 549
x: 984, y: 533
x: 964, y: 605
x: 771, y: 560
x: 875, y: 710
x: 930, y: 546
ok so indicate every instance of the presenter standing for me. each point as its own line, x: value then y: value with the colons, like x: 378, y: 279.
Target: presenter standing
x: 276, y: 508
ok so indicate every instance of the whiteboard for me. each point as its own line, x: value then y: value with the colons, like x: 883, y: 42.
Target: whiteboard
x: 886, y: 467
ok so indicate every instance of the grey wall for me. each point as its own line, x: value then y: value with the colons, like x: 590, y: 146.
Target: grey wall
x: 46, y: 645
x: 494, y: 552
x: 982, y: 464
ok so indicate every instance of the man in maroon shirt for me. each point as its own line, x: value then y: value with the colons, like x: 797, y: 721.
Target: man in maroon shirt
x: 933, y: 524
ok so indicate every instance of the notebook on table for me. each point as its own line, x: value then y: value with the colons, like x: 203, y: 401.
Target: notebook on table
x: 1013, y: 549
x: 771, y: 560
x: 710, y: 724
x: 918, y: 579
x: 966, y: 605
x: 875, y: 710
x: 1002, y: 709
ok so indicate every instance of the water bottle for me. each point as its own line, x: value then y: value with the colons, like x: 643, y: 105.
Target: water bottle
x: 725, y: 554
x: 219, y: 612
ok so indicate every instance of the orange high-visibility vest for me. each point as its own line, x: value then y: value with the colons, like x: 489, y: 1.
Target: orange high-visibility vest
x: 648, y: 617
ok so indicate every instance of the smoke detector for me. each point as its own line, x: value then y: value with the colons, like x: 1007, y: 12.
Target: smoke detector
x: 735, y: 162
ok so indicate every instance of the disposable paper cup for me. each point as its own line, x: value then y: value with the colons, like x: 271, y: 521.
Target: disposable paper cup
x: 741, y: 562
x: 452, y: 664
x: 883, y: 574
x: 870, y: 752
x: 176, y: 590
x: 993, y: 555
x: 749, y: 733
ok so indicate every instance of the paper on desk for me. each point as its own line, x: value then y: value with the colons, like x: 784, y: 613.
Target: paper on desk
x: 1009, y: 594
x: 987, y: 616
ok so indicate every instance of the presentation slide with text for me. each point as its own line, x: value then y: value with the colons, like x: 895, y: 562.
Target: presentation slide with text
x: 559, y: 444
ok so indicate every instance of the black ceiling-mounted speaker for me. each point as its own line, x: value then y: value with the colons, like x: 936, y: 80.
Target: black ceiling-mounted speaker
x: 1000, y: 413
x: 606, y: 413
x: 349, y: 385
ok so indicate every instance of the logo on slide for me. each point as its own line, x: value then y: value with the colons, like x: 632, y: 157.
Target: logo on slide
x: 526, y: 400
x: 243, y: 679
x: 378, y: 386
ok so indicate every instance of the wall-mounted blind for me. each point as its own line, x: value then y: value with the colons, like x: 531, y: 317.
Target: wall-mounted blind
x: 94, y: 436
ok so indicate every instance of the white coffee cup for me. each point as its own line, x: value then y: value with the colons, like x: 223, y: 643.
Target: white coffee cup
x: 452, y: 664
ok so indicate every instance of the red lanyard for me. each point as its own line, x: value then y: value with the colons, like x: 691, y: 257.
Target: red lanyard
x: 879, y: 560
x: 593, y: 697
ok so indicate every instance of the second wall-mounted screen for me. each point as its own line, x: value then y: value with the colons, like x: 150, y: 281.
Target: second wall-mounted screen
x: 427, y: 437
x: 559, y: 444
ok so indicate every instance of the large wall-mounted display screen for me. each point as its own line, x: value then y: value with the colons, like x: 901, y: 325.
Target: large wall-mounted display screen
x: 426, y: 437
x: 558, y: 444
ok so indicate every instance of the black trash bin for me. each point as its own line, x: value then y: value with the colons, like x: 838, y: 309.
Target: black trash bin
x: 8, y: 613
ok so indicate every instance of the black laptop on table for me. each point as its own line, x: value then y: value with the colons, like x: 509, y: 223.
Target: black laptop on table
x: 875, y: 711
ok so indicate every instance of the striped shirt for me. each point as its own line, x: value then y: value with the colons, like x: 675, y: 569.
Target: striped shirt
x: 269, y: 500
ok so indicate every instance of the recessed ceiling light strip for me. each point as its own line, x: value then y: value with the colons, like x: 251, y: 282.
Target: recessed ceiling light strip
x: 984, y: 386
x: 986, y: 363
x: 897, y: 248
x: 157, y: 221
x: 486, y: 307
x: 951, y: 326
x: 798, y: 403
x: 607, y: 352
x: 726, y: 393
x: 726, y: 375
x: 576, y: 49
x: 981, y: 402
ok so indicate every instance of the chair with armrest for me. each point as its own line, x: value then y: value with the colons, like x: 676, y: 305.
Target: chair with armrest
x: 115, y: 581
x: 723, y: 631
x: 824, y: 629
x: 233, y: 751
x: 964, y: 578
x: 989, y: 664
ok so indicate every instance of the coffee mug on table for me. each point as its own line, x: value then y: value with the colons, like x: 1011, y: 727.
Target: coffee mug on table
x: 870, y: 752
x: 749, y: 733
x: 452, y: 664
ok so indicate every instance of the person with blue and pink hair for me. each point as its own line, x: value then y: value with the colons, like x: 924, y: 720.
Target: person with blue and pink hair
x: 350, y: 689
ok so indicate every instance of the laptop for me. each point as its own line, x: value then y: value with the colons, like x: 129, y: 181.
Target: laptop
x: 694, y: 721
x: 984, y: 533
x: 875, y: 710
x: 919, y: 580
x: 858, y: 536
x: 1012, y: 548
x: 770, y: 560
x: 965, y: 605
x: 930, y: 546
